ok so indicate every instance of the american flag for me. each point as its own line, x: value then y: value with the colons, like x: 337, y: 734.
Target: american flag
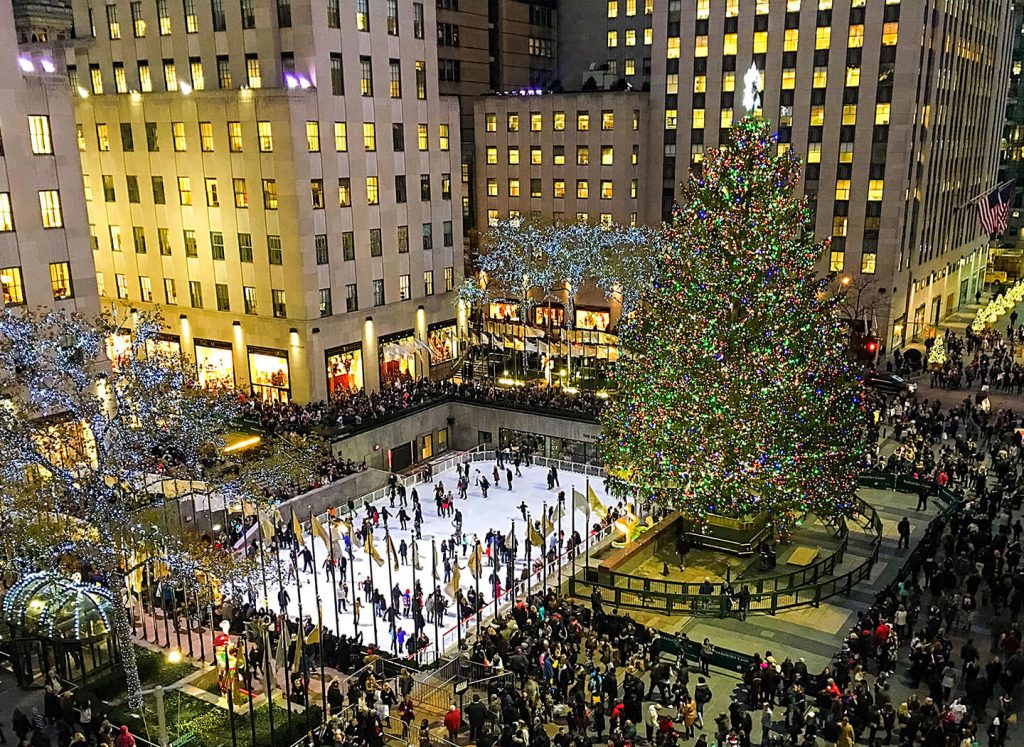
x: 994, y: 209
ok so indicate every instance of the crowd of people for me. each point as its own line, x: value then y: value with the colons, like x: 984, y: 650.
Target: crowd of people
x: 985, y: 359
x: 352, y: 407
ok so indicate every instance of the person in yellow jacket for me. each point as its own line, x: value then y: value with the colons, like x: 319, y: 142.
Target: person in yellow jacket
x: 688, y: 715
x: 846, y: 736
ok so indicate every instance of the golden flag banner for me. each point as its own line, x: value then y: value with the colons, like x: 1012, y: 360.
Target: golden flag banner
x: 596, y: 506
x: 416, y: 555
x: 300, y: 645
x: 371, y: 550
x: 434, y: 550
x: 579, y: 502
x: 314, y: 636
x: 535, y: 539
x: 283, y: 642
x: 391, y: 551
x: 317, y: 530
x: 452, y: 589
x: 267, y: 527
x: 476, y: 561
x: 297, y: 528
x: 546, y: 525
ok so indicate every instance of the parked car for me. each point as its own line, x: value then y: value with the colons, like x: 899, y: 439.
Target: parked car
x: 888, y: 383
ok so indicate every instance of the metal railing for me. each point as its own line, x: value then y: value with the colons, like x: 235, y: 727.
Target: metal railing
x: 622, y: 591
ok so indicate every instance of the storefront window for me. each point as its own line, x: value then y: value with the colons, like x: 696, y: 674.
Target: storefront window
x: 67, y: 444
x: 592, y: 319
x: 549, y: 316
x: 428, y: 446
x: 165, y: 347
x: 552, y: 447
x: 344, y: 370
x: 215, y: 365
x: 502, y: 311
x: 268, y: 374
x: 397, y: 357
x: 119, y: 350
x: 443, y: 341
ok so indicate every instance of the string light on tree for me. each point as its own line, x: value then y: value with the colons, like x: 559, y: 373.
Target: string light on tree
x: 735, y: 391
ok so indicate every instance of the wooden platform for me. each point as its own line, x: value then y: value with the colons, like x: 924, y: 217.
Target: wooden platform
x: 803, y: 556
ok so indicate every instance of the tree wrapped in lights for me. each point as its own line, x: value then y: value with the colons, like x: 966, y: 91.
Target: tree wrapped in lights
x: 89, y: 446
x: 736, y: 395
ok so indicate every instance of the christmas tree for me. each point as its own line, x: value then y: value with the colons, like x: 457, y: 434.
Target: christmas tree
x: 736, y: 395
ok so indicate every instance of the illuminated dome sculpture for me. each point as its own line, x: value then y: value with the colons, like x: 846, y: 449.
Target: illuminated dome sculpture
x: 47, y: 605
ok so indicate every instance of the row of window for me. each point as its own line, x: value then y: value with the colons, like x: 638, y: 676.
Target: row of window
x: 240, y: 191
x: 536, y: 121
x: 13, y: 285
x: 275, y: 255
x: 39, y: 127
x: 14, y: 294
x: 607, y: 188
x: 50, y: 213
x: 173, y: 81
x: 247, y: 10
x: 628, y: 7
x: 558, y: 155
x: 629, y: 37
x: 790, y: 42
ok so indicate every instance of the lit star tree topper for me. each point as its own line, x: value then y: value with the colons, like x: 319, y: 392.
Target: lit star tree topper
x: 735, y: 392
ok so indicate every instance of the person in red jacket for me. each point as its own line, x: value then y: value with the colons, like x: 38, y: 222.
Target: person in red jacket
x: 453, y: 722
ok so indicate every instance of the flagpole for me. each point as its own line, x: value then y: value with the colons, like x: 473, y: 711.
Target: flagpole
x: 437, y: 598
x: 544, y: 546
x: 511, y: 575
x: 558, y: 546
x: 575, y: 552
x: 334, y: 575
x: 479, y: 607
x: 352, y: 575
x: 412, y: 602
x: 284, y: 622
x: 391, y: 590
x: 319, y: 619
x: 265, y: 642
x: 529, y: 556
x: 373, y: 587
x: 300, y: 645
x: 586, y: 542
x: 494, y: 572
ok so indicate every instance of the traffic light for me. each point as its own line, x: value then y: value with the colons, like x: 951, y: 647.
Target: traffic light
x: 871, y: 346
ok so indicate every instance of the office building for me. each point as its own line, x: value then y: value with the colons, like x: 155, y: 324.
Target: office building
x: 277, y: 178
x: 897, y: 109
x: 45, y: 259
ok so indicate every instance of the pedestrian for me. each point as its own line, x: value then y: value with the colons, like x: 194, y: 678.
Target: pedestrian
x: 701, y: 697
x: 452, y: 722
x: 904, y: 530
x: 767, y: 717
x: 922, y: 499
x: 707, y: 650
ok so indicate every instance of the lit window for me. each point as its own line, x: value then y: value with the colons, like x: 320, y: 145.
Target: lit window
x: 613, y: 8
x: 492, y: 154
x: 700, y: 46
x: 817, y: 116
x: 726, y: 118
x: 582, y: 189
x: 853, y: 77
x: 6, y: 214
x: 613, y: 38
x: 558, y: 121
x: 252, y: 71
x: 868, y: 262
x: 444, y: 137
x: 270, y: 194
x: 607, y: 190
x: 835, y: 261
x: 729, y: 44
x: 630, y: 37
x: 512, y: 122
x: 850, y: 114
x: 60, y: 281
x: 340, y: 137
x: 791, y: 40
x: 185, y: 190
x: 856, y: 37
x: 842, y: 189
x: 671, y: 119
x: 673, y: 48
x: 235, y: 137
x: 491, y: 122
x: 178, y: 136
x: 513, y: 188
x: 882, y: 114
x: 206, y: 136
x: 814, y: 153
x: 369, y: 136
x: 845, y: 152
x: 876, y: 187
x: 582, y: 155
x: 313, y: 137
x: 788, y: 79
x: 536, y: 155
x: 607, y: 121
x: 559, y: 188
x: 536, y: 121
x: 241, y: 193
x: 839, y: 225
x: 13, y: 287
x: 492, y: 187
x: 820, y: 79
x: 49, y: 208
x: 39, y: 131
x: 760, y: 42
x: 890, y: 34
x: 582, y: 121
x: 513, y: 155
x: 265, y: 133
x: 372, y: 191
x: 823, y: 37
x: 698, y: 119
x: 422, y: 138
x: 607, y: 155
